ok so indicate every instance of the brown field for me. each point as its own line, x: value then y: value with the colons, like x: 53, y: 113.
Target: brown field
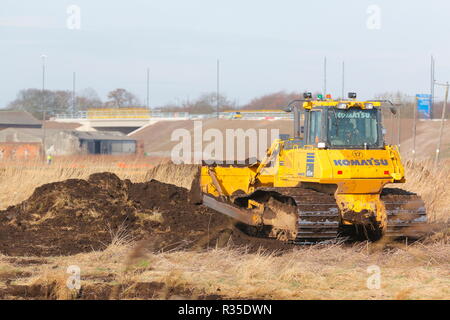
x: 123, y: 267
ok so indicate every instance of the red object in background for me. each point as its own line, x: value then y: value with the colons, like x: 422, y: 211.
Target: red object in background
x: 339, y: 172
x: 386, y: 172
x: 20, y: 151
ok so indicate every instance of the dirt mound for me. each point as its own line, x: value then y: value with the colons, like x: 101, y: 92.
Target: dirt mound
x: 73, y: 216
x: 180, y: 175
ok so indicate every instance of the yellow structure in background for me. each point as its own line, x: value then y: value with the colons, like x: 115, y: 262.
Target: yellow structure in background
x: 119, y: 113
x: 239, y: 114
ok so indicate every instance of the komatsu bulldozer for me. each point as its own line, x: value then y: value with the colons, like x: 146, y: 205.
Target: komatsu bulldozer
x: 326, y: 182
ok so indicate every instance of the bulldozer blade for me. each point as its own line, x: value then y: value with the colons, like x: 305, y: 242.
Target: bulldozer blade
x: 249, y: 217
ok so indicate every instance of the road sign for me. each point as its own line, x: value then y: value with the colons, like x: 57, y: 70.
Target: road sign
x: 424, y: 105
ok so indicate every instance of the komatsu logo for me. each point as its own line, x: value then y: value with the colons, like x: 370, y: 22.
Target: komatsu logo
x: 363, y: 162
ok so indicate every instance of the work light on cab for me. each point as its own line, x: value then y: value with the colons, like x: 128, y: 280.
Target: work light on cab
x: 352, y: 95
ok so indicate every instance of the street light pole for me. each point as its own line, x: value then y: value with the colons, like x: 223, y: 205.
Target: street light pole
x: 73, y: 92
x: 392, y: 134
x: 218, y: 95
x: 444, y: 107
x: 399, y: 126
x: 148, y: 88
x: 343, y: 80
x: 324, y: 77
x: 433, y: 81
x: 414, y: 131
x: 43, y: 106
x: 43, y: 57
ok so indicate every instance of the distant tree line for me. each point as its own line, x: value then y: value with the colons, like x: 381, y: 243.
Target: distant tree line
x: 61, y: 101
x: 204, y: 104
x: 405, y: 105
x: 277, y: 100
x: 53, y: 102
x: 207, y: 103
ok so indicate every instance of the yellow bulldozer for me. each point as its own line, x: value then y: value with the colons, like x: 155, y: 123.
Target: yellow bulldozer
x: 326, y: 182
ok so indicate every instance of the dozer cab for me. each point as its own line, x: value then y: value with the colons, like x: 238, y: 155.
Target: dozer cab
x: 326, y: 182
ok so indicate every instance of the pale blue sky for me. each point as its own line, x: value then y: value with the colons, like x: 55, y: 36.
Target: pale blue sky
x: 263, y: 46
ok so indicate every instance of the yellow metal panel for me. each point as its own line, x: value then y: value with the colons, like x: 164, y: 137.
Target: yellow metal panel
x: 231, y: 179
x: 333, y: 103
x: 118, y: 113
x: 360, y: 203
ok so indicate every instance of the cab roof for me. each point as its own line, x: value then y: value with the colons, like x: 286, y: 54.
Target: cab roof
x: 341, y: 104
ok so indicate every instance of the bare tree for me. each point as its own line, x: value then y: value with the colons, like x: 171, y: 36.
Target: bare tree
x: 204, y: 104
x: 87, y: 99
x: 276, y: 100
x: 36, y: 101
x: 122, y: 98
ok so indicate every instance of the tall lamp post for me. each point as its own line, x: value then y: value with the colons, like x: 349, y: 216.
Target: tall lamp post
x: 148, y: 88
x: 441, y: 130
x: 74, y: 98
x: 217, y: 89
x: 414, y: 131
x: 43, y: 57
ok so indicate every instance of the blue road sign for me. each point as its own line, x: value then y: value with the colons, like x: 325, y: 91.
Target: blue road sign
x: 424, y: 105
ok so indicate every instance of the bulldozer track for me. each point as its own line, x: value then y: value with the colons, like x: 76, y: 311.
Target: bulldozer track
x: 320, y: 220
x: 318, y: 215
x: 406, y: 214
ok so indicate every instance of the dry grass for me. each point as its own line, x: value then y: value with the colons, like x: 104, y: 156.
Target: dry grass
x: 331, y: 272
x: 418, y: 271
x: 432, y: 184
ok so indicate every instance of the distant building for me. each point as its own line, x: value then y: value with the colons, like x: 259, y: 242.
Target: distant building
x: 103, y: 142
x: 65, y: 142
x: 18, y: 119
x: 48, y: 124
x: 20, y: 151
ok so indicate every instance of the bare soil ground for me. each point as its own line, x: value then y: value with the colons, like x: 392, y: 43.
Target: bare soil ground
x: 415, y: 271
x: 73, y: 216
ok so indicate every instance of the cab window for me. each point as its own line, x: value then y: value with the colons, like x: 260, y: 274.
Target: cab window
x: 315, y: 127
